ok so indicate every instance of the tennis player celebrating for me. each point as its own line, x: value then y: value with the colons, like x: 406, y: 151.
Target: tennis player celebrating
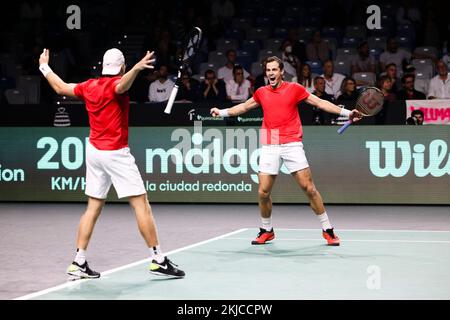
x: 108, y: 158
x: 281, y: 138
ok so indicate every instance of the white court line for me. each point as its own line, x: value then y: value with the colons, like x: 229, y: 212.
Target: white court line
x: 353, y: 240
x: 77, y: 282
x: 367, y: 230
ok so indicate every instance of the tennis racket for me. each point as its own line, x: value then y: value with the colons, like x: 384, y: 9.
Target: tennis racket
x: 370, y: 101
x: 191, y: 48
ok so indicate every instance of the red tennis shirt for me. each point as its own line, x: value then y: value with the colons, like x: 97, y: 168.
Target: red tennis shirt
x: 281, y: 122
x: 108, y: 112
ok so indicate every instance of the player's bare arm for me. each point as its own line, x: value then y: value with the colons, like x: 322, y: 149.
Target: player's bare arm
x: 329, y: 107
x: 129, y: 77
x: 62, y: 88
x: 236, y: 110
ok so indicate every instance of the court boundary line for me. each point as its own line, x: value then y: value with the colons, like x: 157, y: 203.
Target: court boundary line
x: 364, y: 230
x: 355, y: 240
x: 130, y: 265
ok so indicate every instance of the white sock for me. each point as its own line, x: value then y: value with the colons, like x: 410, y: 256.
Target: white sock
x: 80, y: 258
x: 156, y: 254
x: 323, y: 218
x: 266, y: 223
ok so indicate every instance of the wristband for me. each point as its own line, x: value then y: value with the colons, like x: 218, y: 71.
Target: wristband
x: 223, y: 113
x: 45, y: 69
x: 345, y: 113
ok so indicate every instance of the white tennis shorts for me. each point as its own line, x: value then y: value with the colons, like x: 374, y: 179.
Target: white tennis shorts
x: 117, y: 167
x: 292, y: 154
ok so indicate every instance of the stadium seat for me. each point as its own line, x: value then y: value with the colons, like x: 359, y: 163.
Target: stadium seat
x: 306, y: 33
x: 272, y: 44
x: 424, y: 66
x: 256, y: 69
x: 368, y: 77
x: 235, y: 33
x: 404, y: 41
x: 332, y: 32
x: 244, y: 58
x: 258, y: 33
x: 350, y: 42
x: 30, y: 86
x: 208, y: 65
x: 14, y: 96
x: 252, y: 46
x: 355, y: 31
x: 280, y: 32
x: 377, y: 42
x: 332, y: 45
x: 226, y: 44
x: 422, y: 82
x: 376, y: 52
x: 242, y: 23
x: 267, y: 53
x: 199, y: 77
x: 217, y: 57
x: 316, y: 66
x: 342, y: 66
x: 289, y: 22
x: 263, y: 22
x: 431, y: 51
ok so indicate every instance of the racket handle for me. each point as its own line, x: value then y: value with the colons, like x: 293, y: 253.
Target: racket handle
x: 172, y: 97
x: 345, y: 126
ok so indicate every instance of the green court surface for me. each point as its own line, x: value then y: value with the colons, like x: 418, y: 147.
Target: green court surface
x: 377, y: 264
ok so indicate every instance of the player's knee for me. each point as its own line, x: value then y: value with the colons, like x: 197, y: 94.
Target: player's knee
x: 310, y: 191
x: 263, y: 194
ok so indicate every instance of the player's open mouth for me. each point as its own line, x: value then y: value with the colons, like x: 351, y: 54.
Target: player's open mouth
x: 272, y: 79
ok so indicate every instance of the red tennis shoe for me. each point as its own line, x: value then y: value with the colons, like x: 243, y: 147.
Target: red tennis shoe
x: 332, y: 239
x: 264, y: 236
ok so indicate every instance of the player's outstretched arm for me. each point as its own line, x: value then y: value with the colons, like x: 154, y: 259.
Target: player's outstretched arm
x: 129, y: 77
x: 60, y: 87
x: 329, y: 107
x: 236, y: 110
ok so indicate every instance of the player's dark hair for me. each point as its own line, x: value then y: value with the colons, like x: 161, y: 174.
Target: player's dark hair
x: 272, y: 59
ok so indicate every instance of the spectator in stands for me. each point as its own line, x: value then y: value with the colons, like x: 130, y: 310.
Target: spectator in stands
x: 385, y: 85
x: 319, y: 116
x: 418, y: 117
x: 221, y: 12
x: 363, y: 62
x: 212, y: 89
x: 349, y: 94
x: 407, y: 13
x: 298, y: 48
x: 305, y: 78
x: 391, y: 72
x: 225, y: 73
x: 408, y: 92
x: 317, y: 49
x: 440, y: 85
x: 394, y: 55
x: 347, y: 98
x: 188, y: 90
x: 333, y: 81
x: 446, y: 58
x: 261, y: 81
x: 166, y: 51
x: 238, y: 89
x: 161, y: 88
x: 291, y: 62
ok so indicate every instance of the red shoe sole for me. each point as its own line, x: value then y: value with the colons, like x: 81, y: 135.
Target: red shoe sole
x: 259, y: 243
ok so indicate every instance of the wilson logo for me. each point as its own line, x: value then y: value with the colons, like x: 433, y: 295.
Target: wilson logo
x: 399, y: 157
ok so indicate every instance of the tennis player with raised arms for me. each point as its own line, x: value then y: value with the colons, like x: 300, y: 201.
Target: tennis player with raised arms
x: 281, y: 138
x: 108, y: 158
